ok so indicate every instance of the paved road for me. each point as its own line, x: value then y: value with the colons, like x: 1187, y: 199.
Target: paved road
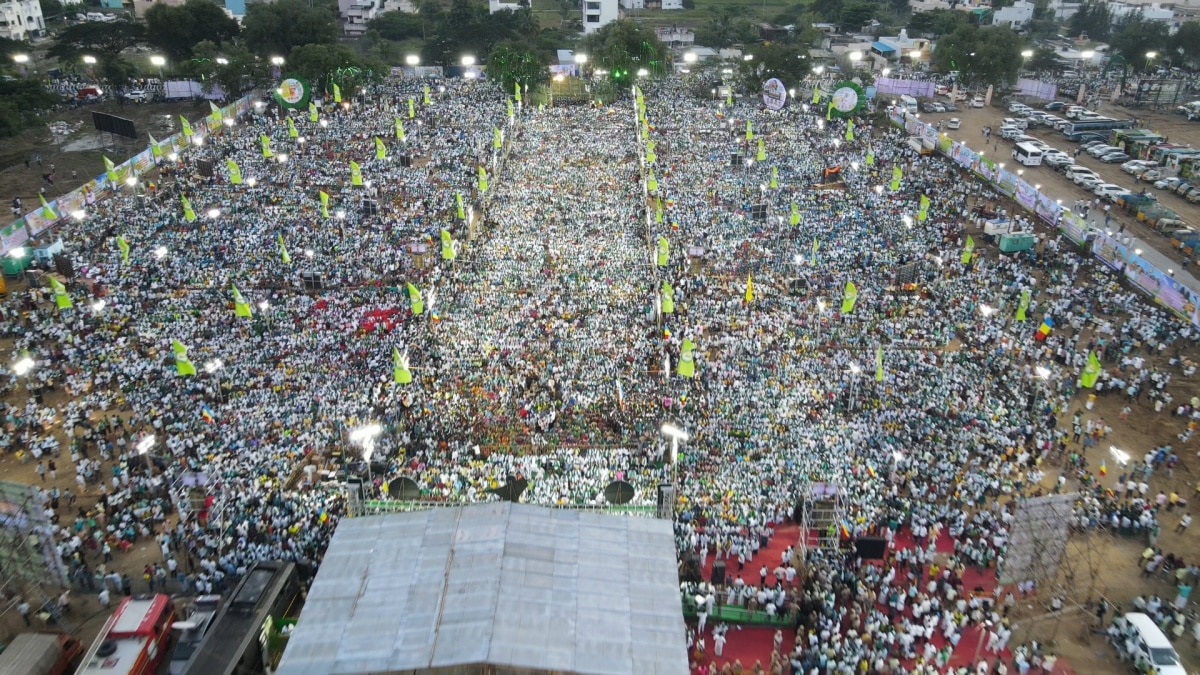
x: 1155, y: 247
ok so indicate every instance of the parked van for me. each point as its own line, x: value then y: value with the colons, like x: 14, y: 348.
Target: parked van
x: 1028, y: 154
x: 1144, y: 644
x: 908, y: 103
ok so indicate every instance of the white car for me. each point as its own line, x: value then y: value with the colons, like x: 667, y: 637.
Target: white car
x: 1076, y: 173
x: 977, y: 102
x: 1055, y: 159
x: 1101, y: 149
x: 1151, y: 174
x: 1009, y: 133
x: 953, y: 123
x: 1133, y: 166
x: 1168, y: 183
x: 137, y: 95
x: 1088, y: 182
x: 1108, y: 190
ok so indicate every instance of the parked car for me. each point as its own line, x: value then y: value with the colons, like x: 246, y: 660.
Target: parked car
x: 953, y: 123
x: 1088, y: 181
x: 1013, y: 122
x: 1193, y: 196
x: 977, y: 102
x: 1088, y: 137
x: 1101, y: 149
x: 1151, y: 174
x: 1114, y: 157
x: 1018, y: 107
x: 1076, y: 169
x: 1054, y: 105
x: 1109, y: 190
x: 137, y: 95
x: 1168, y: 183
x: 949, y: 107
x: 1133, y: 166
x: 1056, y: 159
x: 1073, y: 112
x: 1009, y: 133
x: 1090, y: 144
x: 1182, y: 188
x: 931, y: 107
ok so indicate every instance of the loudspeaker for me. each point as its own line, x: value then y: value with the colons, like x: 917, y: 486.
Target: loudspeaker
x: 758, y: 212
x: 312, y: 281
x: 718, y: 573
x: 405, y: 161
x: 62, y: 264
x: 735, y: 160
x: 205, y: 167
x: 370, y: 207
x: 871, y: 548
x: 690, y: 570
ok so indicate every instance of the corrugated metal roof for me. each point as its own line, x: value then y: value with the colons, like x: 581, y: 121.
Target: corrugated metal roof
x: 539, y: 589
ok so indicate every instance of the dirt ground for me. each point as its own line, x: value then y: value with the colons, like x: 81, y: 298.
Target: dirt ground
x: 80, y: 150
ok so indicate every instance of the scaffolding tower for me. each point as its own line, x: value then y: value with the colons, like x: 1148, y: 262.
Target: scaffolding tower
x: 822, y: 513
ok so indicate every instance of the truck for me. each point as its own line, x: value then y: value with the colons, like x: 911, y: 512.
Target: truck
x: 41, y: 654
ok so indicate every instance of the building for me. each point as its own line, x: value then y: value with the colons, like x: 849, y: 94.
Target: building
x: 633, y: 4
x: 1014, y: 16
x: 21, y: 19
x: 498, y: 6
x: 599, y: 13
x: 493, y: 588
x: 676, y: 37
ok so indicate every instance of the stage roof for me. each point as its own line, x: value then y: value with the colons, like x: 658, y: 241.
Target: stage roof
x: 507, y: 585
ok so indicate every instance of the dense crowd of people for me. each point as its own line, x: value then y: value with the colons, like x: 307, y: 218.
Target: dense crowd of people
x: 542, y: 351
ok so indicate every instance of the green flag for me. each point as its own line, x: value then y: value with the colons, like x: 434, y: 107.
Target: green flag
x: 47, y: 212
x: 188, y: 214
x: 517, y: 91
x: 124, y: 247
x: 60, y: 293
x: 1091, y: 371
x: 816, y: 97
x: 110, y: 170
x: 923, y: 209
x: 664, y: 251
x: 266, y: 146
x: 412, y: 109
x: 816, y: 247
x: 240, y: 306
x: 879, y: 364
x: 324, y: 196
x: 1023, y: 306
x: 355, y: 173
x: 497, y: 138
x: 380, y: 148
x: 897, y: 176
x: 870, y: 157
x: 283, y: 252
x: 400, y: 372
x: 187, y: 126
x: 687, y: 359
x: 829, y: 110
x: 458, y: 206
x: 337, y: 93
x: 182, y: 365
x: 794, y: 219
x: 155, y: 148
x: 313, y: 113
x: 749, y: 130
x: 235, y: 172
x: 425, y: 92
x: 399, y: 129
x: 774, y: 177
x: 511, y: 109
x: 849, y: 130
x: 762, y: 151
x: 651, y: 181
x: 849, y: 297
x: 667, y: 296
x: 968, y: 250
x: 483, y: 179
x: 215, y: 114
x: 414, y: 300
x: 292, y: 131
x: 447, y: 246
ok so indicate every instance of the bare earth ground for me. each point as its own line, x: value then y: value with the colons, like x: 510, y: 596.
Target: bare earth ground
x: 1114, y: 559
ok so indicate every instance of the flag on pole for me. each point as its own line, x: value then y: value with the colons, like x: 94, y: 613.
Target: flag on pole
x: 658, y: 211
x: 1023, y: 305
x: 265, y: 142
x: 187, y: 126
x: 816, y: 97
x: 816, y: 247
x: 774, y: 177
x: 110, y: 170
x: 60, y: 292
x: 399, y: 129
x: 292, y: 130
x: 968, y: 250
x: 849, y: 130
x: 667, y: 295
x: 879, y: 364
x: 313, y: 114
x: 794, y: 218
x: 215, y: 114
x: 412, y: 109
x: 188, y: 214
x: 182, y: 364
x: 124, y: 247
x: 687, y: 359
x: 425, y: 92
x: 897, y: 176
x: 483, y: 179
x: 651, y: 181
x: 762, y: 151
x: 414, y: 300
x: 517, y: 91
x: 155, y: 148
x: 1091, y: 371
x: 240, y: 306
x: 324, y: 196
x: 283, y: 252
x: 380, y: 149
x: 664, y: 251
x: 47, y: 212
x: 849, y: 297
x: 923, y: 209
x: 497, y: 138
x: 400, y: 372
x: 207, y: 415
x: 337, y: 93
x: 829, y: 111
x: 749, y: 130
x: 447, y: 246
x: 1044, y: 330
x: 458, y: 205
x: 749, y: 295
x: 235, y: 172
x: 355, y: 173
x: 729, y: 96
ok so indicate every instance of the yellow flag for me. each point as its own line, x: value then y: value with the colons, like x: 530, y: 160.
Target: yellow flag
x: 324, y: 203
x: 283, y: 252
x: 187, y: 126
x: 849, y: 298
x: 355, y: 173
x: 266, y: 145
x: 380, y: 149
x: 235, y: 172
x: 292, y: 131
x: 749, y: 288
x: 337, y: 94
x: 188, y: 213
x: 399, y: 129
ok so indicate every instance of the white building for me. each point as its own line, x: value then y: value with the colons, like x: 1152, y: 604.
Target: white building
x: 672, y: 4
x: 356, y: 14
x: 21, y: 19
x: 676, y: 37
x: 599, y: 13
x: 497, y: 6
x: 633, y: 4
x: 1014, y: 16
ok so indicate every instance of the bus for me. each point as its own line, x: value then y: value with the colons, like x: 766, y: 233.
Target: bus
x: 1027, y: 154
x: 239, y: 638
x: 1101, y: 124
x: 134, y: 640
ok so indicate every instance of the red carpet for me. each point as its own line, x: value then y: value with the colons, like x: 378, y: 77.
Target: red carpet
x: 753, y: 644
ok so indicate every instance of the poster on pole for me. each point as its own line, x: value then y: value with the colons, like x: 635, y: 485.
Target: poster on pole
x: 774, y: 94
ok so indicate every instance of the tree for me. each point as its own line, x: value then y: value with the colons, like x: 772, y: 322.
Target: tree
x: 275, y: 28
x: 8, y: 47
x: 982, y: 56
x: 513, y: 63
x: 789, y: 63
x: 325, y: 65
x: 1044, y: 59
x: 856, y: 15
x: 23, y: 104
x: 51, y: 8
x: 95, y: 38
x: 1137, y: 37
x: 937, y: 22
x: 232, y: 67
x: 624, y: 47
x: 175, y: 30
x: 398, y: 26
x: 1093, y: 19
x: 1185, y: 43
x: 728, y: 26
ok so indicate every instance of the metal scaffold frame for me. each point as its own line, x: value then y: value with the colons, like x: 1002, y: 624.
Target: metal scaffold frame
x: 822, y: 512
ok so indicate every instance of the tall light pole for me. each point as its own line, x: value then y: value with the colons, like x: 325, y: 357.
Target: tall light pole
x: 366, y: 436
x: 676, y: 435
x: 22, y: 60
x: 143, y: 448
x: 580, y: 61
x: 159, y: 61
x: 412, y: 60
x: 213, y: 367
